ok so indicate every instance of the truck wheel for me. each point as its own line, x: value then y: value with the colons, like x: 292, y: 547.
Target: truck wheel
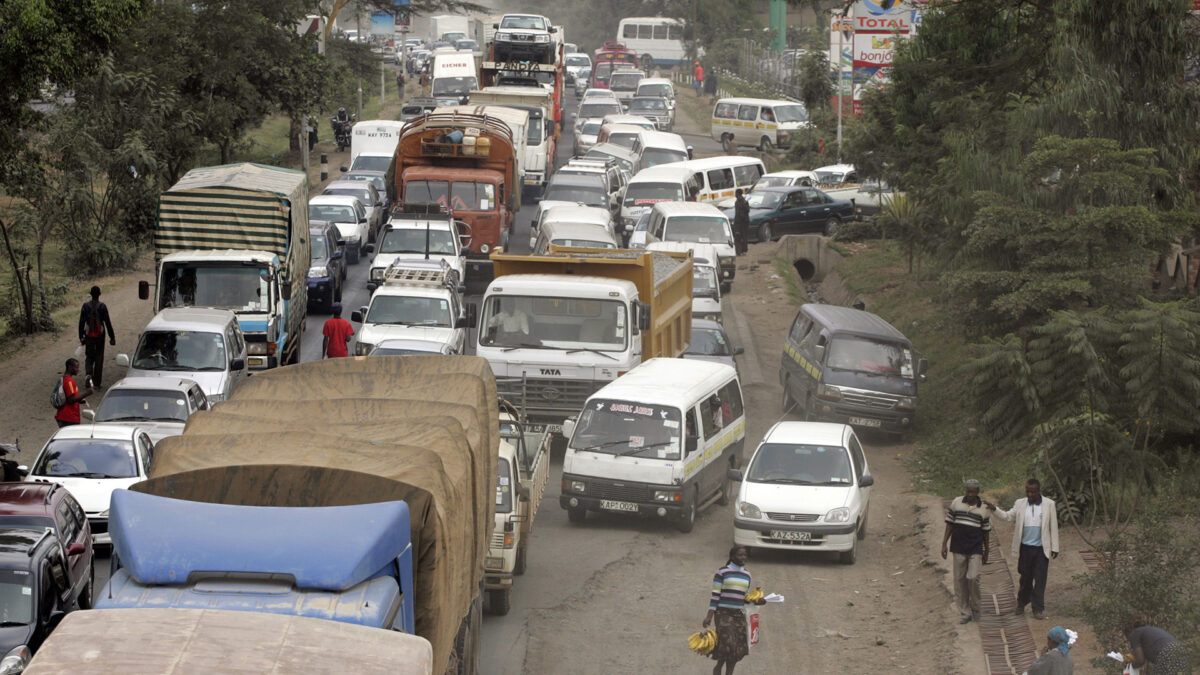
x: 687, y: 521
x: 352, y: 255
x: 500, y: 601
x: 522, y: 558
x: 294, y: 357
x: 831, y: 227
x: 576, y: 515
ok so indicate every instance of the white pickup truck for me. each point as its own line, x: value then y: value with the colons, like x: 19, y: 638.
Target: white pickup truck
x: 869, y: 197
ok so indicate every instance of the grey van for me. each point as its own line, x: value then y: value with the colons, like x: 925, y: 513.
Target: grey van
x: 849, y: 366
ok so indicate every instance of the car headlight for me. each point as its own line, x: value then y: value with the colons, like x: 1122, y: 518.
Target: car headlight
x: 15, y: 661
x: 668, y: 496
x: 725, y: 261
x: 318, y: 272
x: 363, y: 348
x: 712, y: 317
x: 504, y: 37
x: 377, y: 274
x: 541, y: 38
x: 908, y: 403
x: 748, y: 510
x: 829, y: 392
x: 577, y: 486
x: 484, y: 248
x: 256, y: 348
x: 838, y: 515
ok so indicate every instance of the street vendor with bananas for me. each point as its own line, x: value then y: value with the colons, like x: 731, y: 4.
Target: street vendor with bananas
x: 731, y: 585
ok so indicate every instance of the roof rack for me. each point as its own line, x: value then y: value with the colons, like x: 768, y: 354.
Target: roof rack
x: 421, y: 211
x: 45, y: 533
x: 421, y: 273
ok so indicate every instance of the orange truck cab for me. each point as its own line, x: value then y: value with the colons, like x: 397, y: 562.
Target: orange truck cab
x: 466, y: 163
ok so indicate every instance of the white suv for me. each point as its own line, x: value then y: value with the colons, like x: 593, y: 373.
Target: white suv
x: 807, y: 488
x: 525, y: 37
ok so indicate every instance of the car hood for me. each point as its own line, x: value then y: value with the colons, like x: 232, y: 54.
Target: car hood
x: 376, y: 333
x: 817, y: 499
x: 15, y: 636
x: 93, y: 494
x: 154, y: 429
x: 212, y: 382
x: 347, y: 230
x: 702, y: 304
x: 724, y: 360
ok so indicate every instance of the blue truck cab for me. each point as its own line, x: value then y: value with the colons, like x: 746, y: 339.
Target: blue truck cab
x: 352, y: 564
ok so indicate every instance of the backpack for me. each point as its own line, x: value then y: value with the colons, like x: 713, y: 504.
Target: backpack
x: 94, y: 329
x: 58, y: 397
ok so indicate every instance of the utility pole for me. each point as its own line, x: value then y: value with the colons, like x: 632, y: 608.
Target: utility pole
x: 841, y: 78
x: 358, y: 20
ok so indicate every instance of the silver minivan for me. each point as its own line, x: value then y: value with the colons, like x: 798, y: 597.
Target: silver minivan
x: 201, y: 344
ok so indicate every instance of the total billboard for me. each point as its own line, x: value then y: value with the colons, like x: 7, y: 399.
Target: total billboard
x: 878, y: 26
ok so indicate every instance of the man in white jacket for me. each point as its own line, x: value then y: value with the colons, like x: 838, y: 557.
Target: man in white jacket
x: 1035, y: 543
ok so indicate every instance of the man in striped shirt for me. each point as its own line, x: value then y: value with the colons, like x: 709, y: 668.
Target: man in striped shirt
x: 967, y: 526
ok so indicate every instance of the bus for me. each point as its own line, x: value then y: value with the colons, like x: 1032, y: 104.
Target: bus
x: 658, y: 39
x: 607, y: 58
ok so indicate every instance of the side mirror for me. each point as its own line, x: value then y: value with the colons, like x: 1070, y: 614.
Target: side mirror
x: 23, y: 470
x: 343, y: 168
x: 628, y: 228
x: 553, y: 29
x: 690, y: 444
x: 122, y: 360
x: 370, y: 248
x: 689, y: 151
x: 76, y: 548
x: 922, y: 366
x: 523, y: 491
x: 89, y: 414
x: 734, y: 474
x: 285, y: 289
x: 568, y: 428
x: 356, y: 317
x: 738, y: 351
x: 820, y: 353
x: 495, y: 25
x: 643, y: 316
x: 337, y: 255
x: 237, y: 364
x: 866, y: 481
x: 143, y: 290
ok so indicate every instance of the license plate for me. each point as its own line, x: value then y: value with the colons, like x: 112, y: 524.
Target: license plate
x: 618, y: 506
x: 791, y: 536
x: 544, y: 428
x: 865, y: 422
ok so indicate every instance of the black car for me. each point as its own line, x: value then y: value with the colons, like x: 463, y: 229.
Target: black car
x: 327, y: 270
x: 775, y: 211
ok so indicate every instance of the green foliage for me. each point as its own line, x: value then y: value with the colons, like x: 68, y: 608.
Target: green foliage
x: 816, y: 88
x: 1150, y: 570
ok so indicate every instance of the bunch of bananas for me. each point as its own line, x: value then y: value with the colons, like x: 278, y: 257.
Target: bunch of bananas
x: 755, y: 595
x: 703, y: 642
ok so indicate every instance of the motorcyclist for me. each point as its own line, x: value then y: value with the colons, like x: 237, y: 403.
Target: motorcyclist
x: 341, y: 127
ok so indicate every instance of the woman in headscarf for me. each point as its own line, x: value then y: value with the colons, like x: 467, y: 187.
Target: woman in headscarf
x: 1056, y: 660
x: 727, y: 605
x: 1149, y: 644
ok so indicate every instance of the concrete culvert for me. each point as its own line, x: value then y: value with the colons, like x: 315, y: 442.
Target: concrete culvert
x: 805, y: 268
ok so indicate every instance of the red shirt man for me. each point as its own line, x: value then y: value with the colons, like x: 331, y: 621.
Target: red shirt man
x: 69, y: 413
x: 337, y: 332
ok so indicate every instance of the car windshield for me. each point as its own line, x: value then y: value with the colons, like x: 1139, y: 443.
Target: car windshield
x: 465, y: 44
x: 654, y: 89
x: 242, y: 288
x: 704, y: 281
x: 589, y: 196
x: 655, y: 156
x: 625, y: 139
x: 625, y: 81
x: 459, y: 196
x: 831, y: 177
x: 143, y: 404
x: 800, y: 465
x: 87, y: 458
x: 553, y: 323
x: 504, y: 487
x: 409, y: 311
x: 523, y: 22
x: 16, y: 597
x: 773, y: 181
x: 590, y: 128
x: 638, y: 194
x: 599, y: 109
x: 652, y: 105
x: 875, y: 357
x: 180, y: 350
x: 441, y: 242
x: 443, y: 86
x: 333, y: 213
x: 583, y: 243
x: 698, y: 229
x: 371, y: 163
x: 578, y: 60
x: 708, y: 342
x: 603, y: 70
x: 764, y: 200
x: 790, y: 113
x: 628, y: 429
x: 363, y: 195
x: 319, y: 250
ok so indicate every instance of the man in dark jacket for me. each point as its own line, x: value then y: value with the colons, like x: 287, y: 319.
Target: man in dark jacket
x: 93, y: 323
x: 741, y: 222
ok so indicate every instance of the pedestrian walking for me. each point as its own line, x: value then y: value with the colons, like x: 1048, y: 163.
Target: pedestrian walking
x: 1034, y: 544
x: 698, y: 78
x: 967, y: 528
x: 710, y: 85
x: 727, y: 605
x: 741, y: 222
x: 68, y: 413
x: 1057, y: 659
x: 93, y: 324
x: 1149, y: 644
x: 337, y: 332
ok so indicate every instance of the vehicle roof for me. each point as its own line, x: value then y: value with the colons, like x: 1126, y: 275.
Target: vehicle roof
x: 783, y: 189
x: 635, y: 120
x: 721, y: 161
x: 618, y: 127
x: 641, y: 97
x: 223, y: 254
x: 336, y: 200
x: 836, y: 167
x: 656, y: 80
x: 180, y: 384
x: 663, y: 171
x: 26, y: 498
x: 577, y: 213
x: 851, y: 321
x: 536, y: 16
x: 432, y: 346
x: 613, y: 149
x: 413, y: 290
x: 355, y: 184
x: 596, y: 92
x: 814, y: 433
x: 663, y: 139
x: 98, y: 431
x: 588, y: 179
x: 417, y: 224
x: 790, y: 173
x: 666, y: 381
x: 19, y: 539
x: 565, y: 286
x: 689, y: 209
x: 707, y: 324
x: 572, y: 230
x: 760, y: 101
x: 200, y: 319
x: 702, y: 254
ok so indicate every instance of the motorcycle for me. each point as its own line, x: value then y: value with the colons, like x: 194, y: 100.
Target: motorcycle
x: 11, y: 473
x: 341, y: 132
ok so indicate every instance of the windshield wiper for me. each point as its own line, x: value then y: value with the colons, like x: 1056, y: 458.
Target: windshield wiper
x: 4, y: 624
x: 634, y: 451
x: 121, y: 419
x: 594, y: 351
x: 605, y: 444
x: 98, y: 475
x: 520, y: 345
x: 786, y: 481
